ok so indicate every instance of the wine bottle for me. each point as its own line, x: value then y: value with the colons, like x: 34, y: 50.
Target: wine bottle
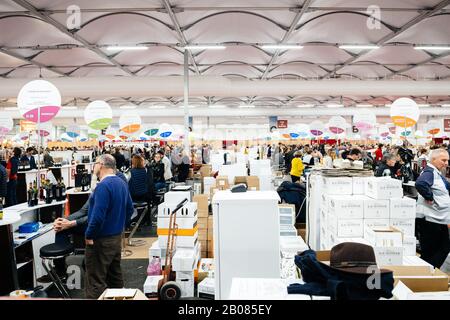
x: 63, y: 190
x: 30, y: 195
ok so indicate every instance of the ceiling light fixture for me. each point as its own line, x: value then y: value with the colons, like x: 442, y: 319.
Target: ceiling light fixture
x: 334, y: 105
x: 364, y: 105
x: 190, y: 107
x: 445, y: 105
x: 305, y: 106
x: 12, y: 108
x: 247, y: 106
x: 128, y: 107
x: 359, y: 46
x: 423, y: 105
x: 69, y: 108
x: 281, y: 46
x: 438, y: 48
x: 127, y: 48
x: 205, y: 47
x: 157, y: 107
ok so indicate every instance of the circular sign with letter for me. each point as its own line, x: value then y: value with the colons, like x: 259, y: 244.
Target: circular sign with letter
x: 404, y: 112
x: 98, y: 115
x: 165, y: 130
x: 39, y: 97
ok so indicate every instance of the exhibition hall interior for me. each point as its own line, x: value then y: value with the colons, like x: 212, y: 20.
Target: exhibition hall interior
x: 225, y: 150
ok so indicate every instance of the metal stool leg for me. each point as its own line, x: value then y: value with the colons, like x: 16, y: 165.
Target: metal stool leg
x: 55, y: 279
x: 125, y: 252
x: 137, y: 242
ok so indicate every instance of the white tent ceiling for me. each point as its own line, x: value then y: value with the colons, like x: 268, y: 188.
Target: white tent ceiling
x: 35, y: 42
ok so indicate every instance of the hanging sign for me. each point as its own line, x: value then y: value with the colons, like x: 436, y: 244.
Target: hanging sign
x: 433, y: 127
x: 98, y: 115
x: 282, y: 124
x: 364, y: 120
x: 317, y: 128
x: 39, y: 97
x: 130, y: 122
x: 337, y: 124
x: 404, y: 112
x: 6, y: 124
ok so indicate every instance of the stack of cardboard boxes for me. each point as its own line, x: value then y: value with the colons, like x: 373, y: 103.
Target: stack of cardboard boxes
x: 352, y: 207
x: 202, y: 213
x: 187, y: 247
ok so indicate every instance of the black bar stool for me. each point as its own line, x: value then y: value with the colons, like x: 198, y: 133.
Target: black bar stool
x: 48, y: 254
x: 141, y: 207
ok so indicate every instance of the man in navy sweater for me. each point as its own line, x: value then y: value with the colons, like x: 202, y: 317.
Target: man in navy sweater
x: 110, y: 210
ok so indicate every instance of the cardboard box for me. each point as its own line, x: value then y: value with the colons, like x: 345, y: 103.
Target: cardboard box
x: 324, y: 202
x: 210, y: 245
x: 181, y: 275
x: 383, y: 188
x: 210, y: 234
x: 389, y: 256
x: 184, y: 259
x: 409, y: 245
x: 182, y: 222
x: 338, y: 185
x: 240, y: 179
x: 188, y: 210
x: 213, y: 191
x: 122, y: 294
x: 205, y: 170
x: 206, y: 288
x: 376, y: 209
x: 402, y: 208
x: 402, y: 292
x: 420, y: 278
x: 375, y: 224
x: 210, y: 222
x: 151, y: 285
x: 407, y: 226
x: 202, y: 202
x: 337, y: 241
x: 359, y: 185
x: 202, y: 223
x: 187, y: 287
x: 384, y: 237
x: 253, y: 183
x: 346, y: 207
x: 415, y: 261
x: 181, y: 242
x: 346, y: 228
x: 203, y: 235
x: 208, y: 182
x: 222, y: 183
x: 175, y: 197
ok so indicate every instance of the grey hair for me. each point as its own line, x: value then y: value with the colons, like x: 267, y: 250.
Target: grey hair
x: 108, y: 161
x: 436, y: 152
x: 388, y: 156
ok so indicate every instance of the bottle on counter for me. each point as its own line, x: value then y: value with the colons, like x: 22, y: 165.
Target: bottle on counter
x: 57, y: 190
x: 48, y: 192
x: 1, y: 210
x: 63, y: 190
x: 30, y: 194
x: 42, y: 191
x: 35, y: 194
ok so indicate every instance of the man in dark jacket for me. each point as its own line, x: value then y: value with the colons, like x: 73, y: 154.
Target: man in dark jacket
x: 120, y: 159
x: 3, y: 181
x: 28, y: 158
x: 387, y: 167
x: 12, y: 168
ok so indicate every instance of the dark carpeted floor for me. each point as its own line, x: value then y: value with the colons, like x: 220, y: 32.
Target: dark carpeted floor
x: 134, y: 274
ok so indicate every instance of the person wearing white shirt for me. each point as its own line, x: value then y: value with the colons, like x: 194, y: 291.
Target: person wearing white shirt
x: 167, y: 166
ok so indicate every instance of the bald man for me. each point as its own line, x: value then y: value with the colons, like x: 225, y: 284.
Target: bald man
x: 433, y: 209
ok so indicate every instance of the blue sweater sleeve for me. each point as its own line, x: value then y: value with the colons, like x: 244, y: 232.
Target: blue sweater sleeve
x: 97, y: 213
x: 424, y: 183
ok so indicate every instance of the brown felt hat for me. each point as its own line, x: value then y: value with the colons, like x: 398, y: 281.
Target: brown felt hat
x: 355, y: 258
